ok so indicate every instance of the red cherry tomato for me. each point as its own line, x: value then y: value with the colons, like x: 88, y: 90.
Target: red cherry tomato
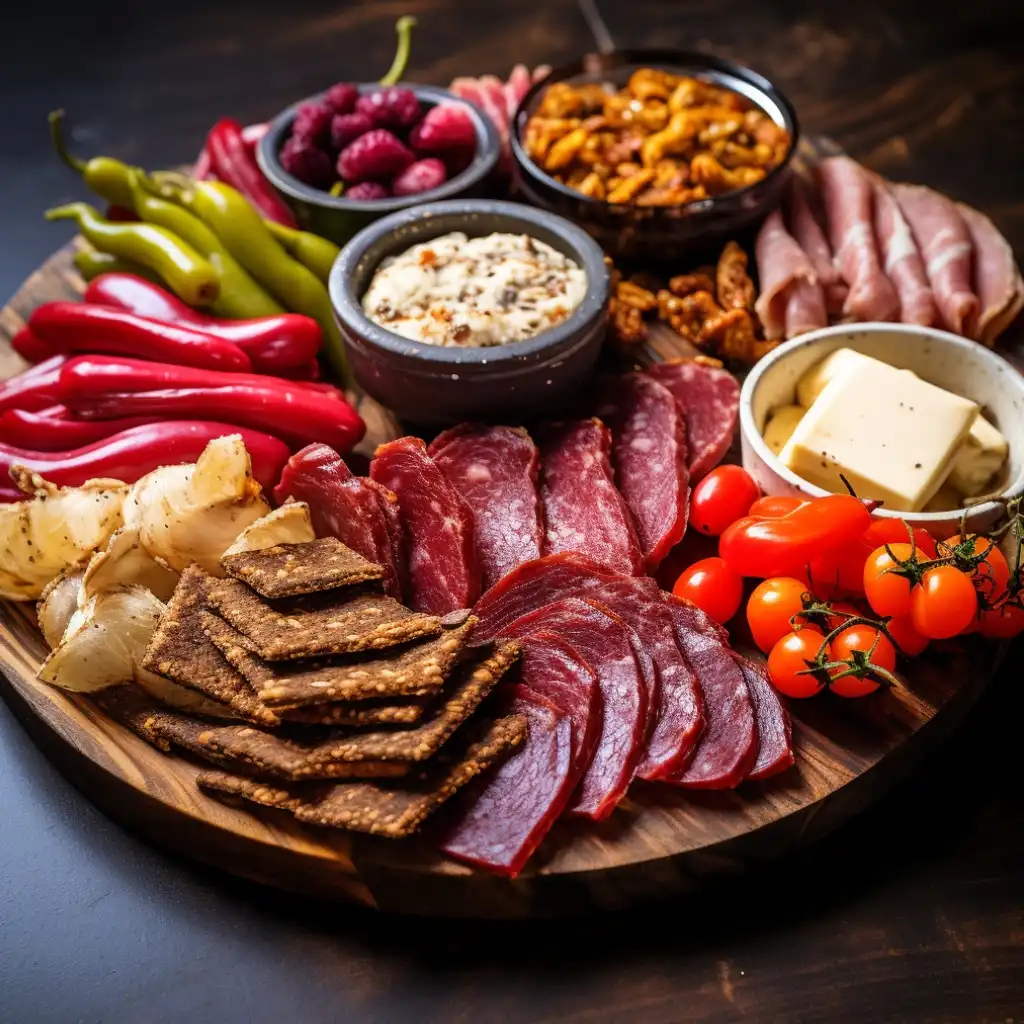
x: 992, y: 574
x: 908, y: 640
x: 771, y: 506
x: 1002, y: 623
x: 722, y: 497
x: 713, y: 586
x: 887, y: 592
x: 861, y: 638
x: 943, y: 603
x: 771, y: 606
x: 788, y: 661
x: 840, y: 570
x: 894, y: 531
x: 842, y: 610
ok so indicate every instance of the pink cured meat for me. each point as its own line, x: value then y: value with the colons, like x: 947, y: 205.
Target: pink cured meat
x: 583, y: 510
x: 948, y: 253
x: 495, y: 470
x: 638, y: 601
x: 437, y: 527
x: 774, y: 728
x: 343, y: 506
x: 791, y: 300
x: 709, y: 397
x: 649, y: 454
x: 997, y: 280
x: 617, y: 657
x: 901, y: 259
x: 809, y: 235
x: 503, y: 816
x: 848, y: 197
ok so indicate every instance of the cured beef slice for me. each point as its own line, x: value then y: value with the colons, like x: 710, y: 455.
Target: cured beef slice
x: 997, y: 280
x: 342, y: 506
x: 677, y: 706
x: 612, y: 649
x: 774, y: 729
x: 649, y: 455
x: 437, y: 527
x: 583, y: 510
x: 495, y: 470
x: 709, y: 397
x: 503, y: 816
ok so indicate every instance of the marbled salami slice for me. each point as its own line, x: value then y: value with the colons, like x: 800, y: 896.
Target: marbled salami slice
x: 583, y: 510
x: 649, y: 456
x: 503, y: 816
x: 709, y: 397
x: 437, y: 527
x: 495, y: 470
x: 774, y: 729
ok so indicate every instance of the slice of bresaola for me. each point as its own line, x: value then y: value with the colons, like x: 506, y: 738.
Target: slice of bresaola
x: 774, y: 728
x: 650, y: 459
x: 350, y: 508
x: 583, y: 509
x: 495, y: 470
x: 437, y: 528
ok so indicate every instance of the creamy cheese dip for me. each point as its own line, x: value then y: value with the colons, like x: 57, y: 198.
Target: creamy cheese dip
x: 474, y: 292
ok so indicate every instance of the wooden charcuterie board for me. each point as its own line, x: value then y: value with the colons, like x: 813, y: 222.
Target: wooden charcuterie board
x: 660, y: 840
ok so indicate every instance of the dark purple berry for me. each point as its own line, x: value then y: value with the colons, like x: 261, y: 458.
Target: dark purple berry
x: 375, y: 156
x: 421, y: 176
x: 391, y: 107
x: 341, y: 98
x: 367, y: 190
x: 346, y: 128
x: 307, y: 162
x: 313, y: 122
x: 445, y: 127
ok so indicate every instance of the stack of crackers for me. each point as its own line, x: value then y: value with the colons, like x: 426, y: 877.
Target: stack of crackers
x: 350, y: 710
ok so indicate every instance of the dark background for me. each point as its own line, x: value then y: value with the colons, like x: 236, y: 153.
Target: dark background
x: 914, y: 912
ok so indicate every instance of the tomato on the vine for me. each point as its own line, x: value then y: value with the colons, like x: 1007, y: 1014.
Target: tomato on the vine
x: 841, y: 611
x: 861, y: 638
x: 722, y: 497
x: 943, y: 603
x: 788, y: 663
x: 887, y: 592
x: 992, y: 574
x: 1002, y: 623
x: 770, y: 608
x: 713, y: 586
x: 908, y: 640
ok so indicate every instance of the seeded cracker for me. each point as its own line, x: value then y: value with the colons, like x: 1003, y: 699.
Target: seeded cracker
x: 318, y: 624
x: 290, y: 569
x: 367, y: 712
x: 134, y: 709
x: 181, y: 651
x: 394, y: 810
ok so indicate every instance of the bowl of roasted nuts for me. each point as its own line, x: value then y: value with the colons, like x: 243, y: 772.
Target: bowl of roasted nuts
x: 657, y: 153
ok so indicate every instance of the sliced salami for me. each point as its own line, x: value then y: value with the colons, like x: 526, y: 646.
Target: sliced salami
x: 708, y: 396
x: 495, y: 470
x: 583, y: 510
x: 437, y: 528
x: 650, y: 460
x: 774, y: 728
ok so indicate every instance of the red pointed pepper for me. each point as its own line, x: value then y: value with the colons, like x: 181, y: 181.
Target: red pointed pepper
x: 45, y: 431
x: 36, y: 388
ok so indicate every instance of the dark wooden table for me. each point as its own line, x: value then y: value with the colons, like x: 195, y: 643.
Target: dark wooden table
x: 915, y: 912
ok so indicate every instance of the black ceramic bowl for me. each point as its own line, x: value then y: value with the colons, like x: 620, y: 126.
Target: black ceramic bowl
x: 659, y: 233
x: 437, y: 385
x: 338, y: 218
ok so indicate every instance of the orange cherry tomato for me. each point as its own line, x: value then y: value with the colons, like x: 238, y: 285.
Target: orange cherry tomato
x: 788, y: 663
x: 908, y: 640
x: 839, y: 571
x: 771, y: 506
x: 713, y: 586
x: 861, y: 638
x: 991, y: 575
x: 943, y: 603
x: 1002, y: 623
x: 842, y: 610
x: 722, y: 497
x: 887, y: 593
x: 771, y: 607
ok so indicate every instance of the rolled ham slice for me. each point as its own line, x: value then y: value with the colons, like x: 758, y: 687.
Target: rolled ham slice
x: 848, y: 197
x: 997, y: 279
x: 810, y: 236
x: 948, y: 251
x: 902, y: 260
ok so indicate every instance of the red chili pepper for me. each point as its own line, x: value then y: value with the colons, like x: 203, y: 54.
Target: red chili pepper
x: 273, y: 343
x: 134, y: 453
x: 29, y: 347
x: 308, y: 373
x: 201, y: 168
x: 36, y: 388
x: 45, y: 431
x: 233, y: 163
x: 784, y: 546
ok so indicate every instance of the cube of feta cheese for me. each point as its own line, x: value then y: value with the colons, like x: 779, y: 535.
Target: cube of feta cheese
x: 980, y: 458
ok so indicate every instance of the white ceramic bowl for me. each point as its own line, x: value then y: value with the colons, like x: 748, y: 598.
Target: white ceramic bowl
x: 946, y: 360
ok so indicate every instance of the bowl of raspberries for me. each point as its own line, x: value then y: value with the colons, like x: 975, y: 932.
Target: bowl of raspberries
x: 359, y: 151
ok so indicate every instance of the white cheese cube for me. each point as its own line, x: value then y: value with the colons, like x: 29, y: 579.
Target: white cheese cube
x: 840, y: 362
x: 980, y: 458
x: 780, y: 426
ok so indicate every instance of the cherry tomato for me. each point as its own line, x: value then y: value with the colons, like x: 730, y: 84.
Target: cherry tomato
x: 771, y: 506
x: 887, y: 593
x: 908, y: 640
x: 771, y: 606
x: 861, y: 638
x: 789, y: 658
x: 894, y: 531
x: 842, y: 610
x: 1002, y: 623
x: 943, y: 603
x: 992, y: 574
x: 840, y: 570
x: 713, y: 586
x: 722, y: 497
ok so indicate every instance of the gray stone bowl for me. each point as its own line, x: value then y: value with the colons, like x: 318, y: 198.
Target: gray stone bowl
x: 435, y: 385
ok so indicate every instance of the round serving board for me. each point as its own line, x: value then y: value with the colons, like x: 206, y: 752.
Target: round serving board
x: 660, y: 840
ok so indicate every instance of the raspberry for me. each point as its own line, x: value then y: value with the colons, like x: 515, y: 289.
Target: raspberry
x: 445, y: 127
x: 346, y: 128
x: 391, y: 107
x: 420, y: 177
x: 341, y: 98
x: 375, y: 156
x: 367, y: 190
x: 307, y: 162
x: 312, y: 122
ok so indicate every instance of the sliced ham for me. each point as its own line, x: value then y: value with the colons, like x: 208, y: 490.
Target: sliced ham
x: 809, y: 235
x: 805, y: 308
x: 792, y: 300
x: 774, y: 729
x: 997, y: 278
x: 848, y: 198
x: 948, y: 252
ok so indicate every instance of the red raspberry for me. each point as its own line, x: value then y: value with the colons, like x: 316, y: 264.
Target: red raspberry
x: 346, y: 128
x: 367, y: 190
x: 445, y: 127
x: 341, y: 98
x: 375, y: 156
x: 307, y: 162
x: 392, y: 107
x: 312, y: 122
x: 420, y: 177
